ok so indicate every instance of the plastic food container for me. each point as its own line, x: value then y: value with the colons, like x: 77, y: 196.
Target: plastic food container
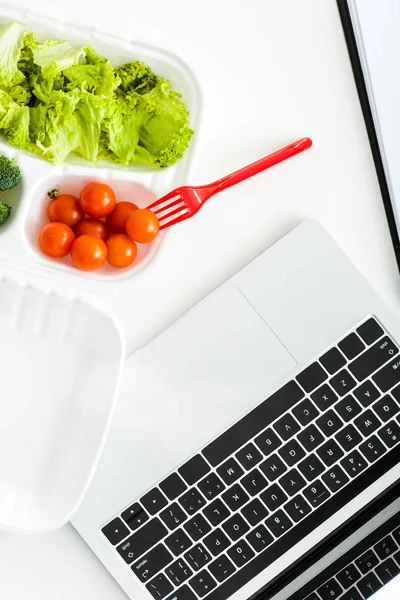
x: 61, y: 347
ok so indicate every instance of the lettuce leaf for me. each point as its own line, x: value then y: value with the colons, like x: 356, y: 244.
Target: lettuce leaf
x: 89, y: 115
x: 14, y: 121
x: 11, y: 43
x: 52, y: 56
x: 96, y: 75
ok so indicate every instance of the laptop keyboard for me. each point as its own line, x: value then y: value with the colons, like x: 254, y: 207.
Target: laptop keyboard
x: 271, y: 478
x: 362, y: 571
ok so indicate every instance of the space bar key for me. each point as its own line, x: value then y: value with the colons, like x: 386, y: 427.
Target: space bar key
x: 254, y: 422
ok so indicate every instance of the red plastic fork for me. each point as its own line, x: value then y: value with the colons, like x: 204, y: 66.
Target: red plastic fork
x: 186, y: 201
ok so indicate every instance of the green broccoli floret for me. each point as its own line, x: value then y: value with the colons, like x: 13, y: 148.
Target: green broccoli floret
x: 10, y: 174
x: 5, y: 212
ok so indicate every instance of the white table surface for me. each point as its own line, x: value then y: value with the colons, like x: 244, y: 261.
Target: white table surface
x: 270, y: 72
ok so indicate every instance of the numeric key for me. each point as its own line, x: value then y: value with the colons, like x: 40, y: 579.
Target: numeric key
x: 259, y: 538
x: 297, y: 508
x: 316, y: 493
x: 335, y: 478
x: 348, y: 576
x: 279, y: 523
x: 241, y: 553
x: 390, y: 434
x: 354, y: 463
x: 372, y: 449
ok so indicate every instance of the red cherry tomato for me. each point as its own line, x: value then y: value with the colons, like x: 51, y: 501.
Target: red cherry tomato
x: 92, y: 227
x: 142, y: 225
x: 116, y: 220
x: 121, y: 250
x: 65, y: 209
x: 88, y: 252
x: 97, y: 200
x: 56, y: 239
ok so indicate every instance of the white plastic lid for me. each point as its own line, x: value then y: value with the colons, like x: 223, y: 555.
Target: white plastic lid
x: 60, y: 361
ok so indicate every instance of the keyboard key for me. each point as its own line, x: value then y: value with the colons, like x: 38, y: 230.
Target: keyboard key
x: 386, y: 408
x: 273, y: 497
x: 249, y: 456
x: 354, y: 463
x: 348, y: 576
x: 154, y: 501
x: 324, y: 397
x: 178, y: 542
x: 216, y: 542
x: 311, y: 438
x: 159, y: 587
x: 305, y: 412
x: 396, y: 393
x: 142, y: 540
x: 202, y: 583
x: 335, y: 478
x: 330, y: 590
x: 388, y: 376
x: 192, y: 501
x: 351, y: 346
x: 254, y: 512
x: 216, y: 512
x: 241, y: 553
x: 292, y: 482
x: 387, y: 570
x: 115, y: 531
x: 352, y: 594
x: 369, y: 585
x: 230, y: 471
x: 385, y: 547
x: 348, y: 438
x: 197, y: 527
x: 366, y: 393
x: 367, y: 423
x: 311, y: 467
x: 268, y: 442
x: 259, y: 538
x: 374, y: 358
x: 235, y: 497
x: 135, y: 516
x: 197, y: 557
x: 211, y: 486
x: 222, y: 568
x: 329, y: 423
x: 178, y: 572
x: 194, y: 469
x: 253, y: 423
x: 286, y: 427
x: 330, y: 453
x: 370, y: 331
x: 366, y: 561
x: 273, y: 467
x: 184, y: 593
x: 150, y: 564
x: 173, y: 516
x: 390, y: 434
x: 312, y: 377
x: 254, y: 482
x: 291, y: 453
x: 173, y: 486
x: 372, y: 449
x: 397, y: 557
x: 235, y: 527
x: 343, y: 382
x: 348, y: 408
x: 332, y: 361
x: 316, y: 493
x: 297, y: 508
x: 279, y: 523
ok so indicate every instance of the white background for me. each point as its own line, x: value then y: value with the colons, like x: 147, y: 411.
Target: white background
x: 270, y: 71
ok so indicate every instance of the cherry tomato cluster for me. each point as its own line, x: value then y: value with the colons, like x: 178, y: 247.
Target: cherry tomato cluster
x: 91, y: 241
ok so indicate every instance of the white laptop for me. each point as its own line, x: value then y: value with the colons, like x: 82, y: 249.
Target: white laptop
x: 252, y: 434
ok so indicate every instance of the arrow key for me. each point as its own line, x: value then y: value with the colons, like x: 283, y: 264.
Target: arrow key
x: 135, y: 516
x: 154, y: 501
x: 115, y: 531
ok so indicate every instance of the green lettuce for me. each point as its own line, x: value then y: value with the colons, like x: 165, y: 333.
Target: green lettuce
x: 56, y: 100
x: 11, y: 44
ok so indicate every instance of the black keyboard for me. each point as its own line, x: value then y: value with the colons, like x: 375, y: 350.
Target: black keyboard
x: 361, y: 571
x: 270, y: 479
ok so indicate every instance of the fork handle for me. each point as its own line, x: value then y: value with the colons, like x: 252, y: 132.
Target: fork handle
x: 257, y: 167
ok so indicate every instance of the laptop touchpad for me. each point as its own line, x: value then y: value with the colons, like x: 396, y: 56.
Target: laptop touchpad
x: 202, y: 373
